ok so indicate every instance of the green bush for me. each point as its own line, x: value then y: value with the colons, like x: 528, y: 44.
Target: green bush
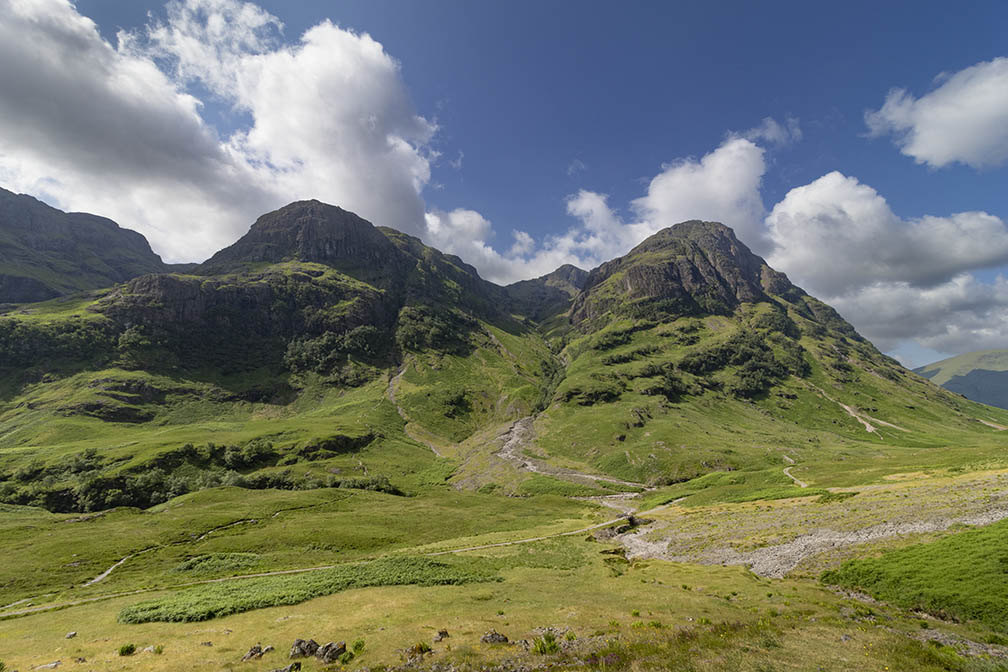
x: 546, y: 644
x: 201, y: 603
x: 127, y: 649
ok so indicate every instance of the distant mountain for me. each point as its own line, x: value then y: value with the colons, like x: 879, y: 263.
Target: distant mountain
x: 980, y: 376
x: 45, y: 252
x: 547, y: 295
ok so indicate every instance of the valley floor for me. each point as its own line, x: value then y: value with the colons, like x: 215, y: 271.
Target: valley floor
x: 672, y: 593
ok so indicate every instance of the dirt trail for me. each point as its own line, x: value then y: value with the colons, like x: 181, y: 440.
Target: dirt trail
x: 863, y: 418
x: 521, y: 434
x: 108, y: 571
x: 996, y: 426
x: 390, y: 394
x: 800, y: 483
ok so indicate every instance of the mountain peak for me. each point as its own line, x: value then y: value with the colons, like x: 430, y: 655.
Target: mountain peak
x: 692, y: 267
x: 308, y: 231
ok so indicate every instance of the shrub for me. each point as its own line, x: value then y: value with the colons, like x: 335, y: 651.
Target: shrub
x: 419, y: 648
x: 546, y: 644
x: 201, y: 603
x: 127, y: 649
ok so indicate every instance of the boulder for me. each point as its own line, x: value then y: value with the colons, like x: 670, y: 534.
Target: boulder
x: 330, y: 653
x: 255, y: 653
x: 441, y: 635
x: 71, y: 635
x: 494, y: 637
x: 303, y: 648
x: 293, y: 667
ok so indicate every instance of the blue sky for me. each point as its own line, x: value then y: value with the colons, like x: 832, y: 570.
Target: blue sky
x: 584, y: 126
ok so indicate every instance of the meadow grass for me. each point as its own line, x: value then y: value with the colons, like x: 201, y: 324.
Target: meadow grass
x: 961, y: 576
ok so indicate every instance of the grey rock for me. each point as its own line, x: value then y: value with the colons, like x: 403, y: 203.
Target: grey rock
x: 330, y: 653
x: 494, y: 637
x: 303, y: 648
x: 71, y: 635
x: 293, y: 667
x: 255, y: 653
x: 441, y: 635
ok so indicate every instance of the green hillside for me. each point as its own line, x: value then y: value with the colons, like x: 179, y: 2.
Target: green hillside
x: 330, y: 427
x: 980, y: 376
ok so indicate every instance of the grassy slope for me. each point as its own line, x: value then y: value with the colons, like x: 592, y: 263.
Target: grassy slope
x: 656, y: 616
x: 959, y: 577
x: 648, y: 438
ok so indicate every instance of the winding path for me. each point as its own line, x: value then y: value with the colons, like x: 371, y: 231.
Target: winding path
x: 800, y: 483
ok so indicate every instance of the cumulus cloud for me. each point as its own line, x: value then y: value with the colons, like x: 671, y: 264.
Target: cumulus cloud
x: 960, y: 315
x: 894, y: 279
x: 964, y: 119
x: 114, y: 129
x: 837, y: 234
x: 723, y: 186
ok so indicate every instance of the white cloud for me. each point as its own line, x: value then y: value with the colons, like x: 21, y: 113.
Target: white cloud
x: 894, y: 279
x: 105, y: 129
x: 772, y: 131
x: 837, y: 234
x: 722, y: 186
x: 965, y: 119
x: 960, y: 315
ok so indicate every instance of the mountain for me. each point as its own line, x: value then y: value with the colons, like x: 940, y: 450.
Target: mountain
x: 980, y: 376
x: 45, y: 252
x: 685, y: 357
x: 548, y: 295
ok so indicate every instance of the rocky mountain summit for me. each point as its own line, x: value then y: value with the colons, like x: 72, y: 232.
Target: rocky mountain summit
x: 691, y: 268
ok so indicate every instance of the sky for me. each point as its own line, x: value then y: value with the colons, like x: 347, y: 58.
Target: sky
x: 860, y: 147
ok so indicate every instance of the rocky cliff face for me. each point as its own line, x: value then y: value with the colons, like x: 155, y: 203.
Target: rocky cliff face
x: 45, y: 252
x: 691, y: 268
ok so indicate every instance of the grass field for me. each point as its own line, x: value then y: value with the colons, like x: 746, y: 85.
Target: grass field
x: 960, y: 577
